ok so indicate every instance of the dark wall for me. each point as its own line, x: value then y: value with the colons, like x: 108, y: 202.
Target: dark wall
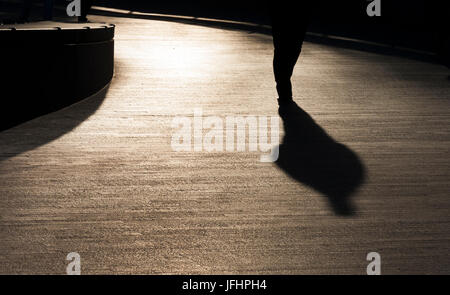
x: 419, y: 24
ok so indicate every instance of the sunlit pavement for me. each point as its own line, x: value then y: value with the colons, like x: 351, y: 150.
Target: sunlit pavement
x: 100, y: 178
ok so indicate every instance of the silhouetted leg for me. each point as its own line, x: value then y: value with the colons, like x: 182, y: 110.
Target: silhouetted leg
x: 85, y: 7
x: 286, y: 53
x: 288, y: 31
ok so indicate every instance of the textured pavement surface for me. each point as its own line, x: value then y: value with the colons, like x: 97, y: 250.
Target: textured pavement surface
x: 100, y: 177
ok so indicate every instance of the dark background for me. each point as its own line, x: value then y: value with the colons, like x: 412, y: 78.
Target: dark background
x: 418, y: 24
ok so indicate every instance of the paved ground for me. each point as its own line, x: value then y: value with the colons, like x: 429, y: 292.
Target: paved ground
x: 100, y: 178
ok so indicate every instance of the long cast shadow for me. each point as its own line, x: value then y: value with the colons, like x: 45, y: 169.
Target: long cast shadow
x: 309, y: 155
x: 42, y: 130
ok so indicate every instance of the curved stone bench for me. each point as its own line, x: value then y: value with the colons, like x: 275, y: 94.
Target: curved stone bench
x: 46, y: 66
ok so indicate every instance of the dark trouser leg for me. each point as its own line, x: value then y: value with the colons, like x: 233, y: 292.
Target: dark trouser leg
x: 85, y: 7
x: 288, y: 32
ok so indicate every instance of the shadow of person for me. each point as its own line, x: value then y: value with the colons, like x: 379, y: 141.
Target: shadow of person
x: 310, y: 156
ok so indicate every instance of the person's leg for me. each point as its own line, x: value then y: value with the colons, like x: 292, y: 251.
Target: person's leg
x: 286, y: 52
x: 85, y: 7
x: 288, y: 31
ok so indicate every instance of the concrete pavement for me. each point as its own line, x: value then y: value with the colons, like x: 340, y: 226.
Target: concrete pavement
x: 100, y: 177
